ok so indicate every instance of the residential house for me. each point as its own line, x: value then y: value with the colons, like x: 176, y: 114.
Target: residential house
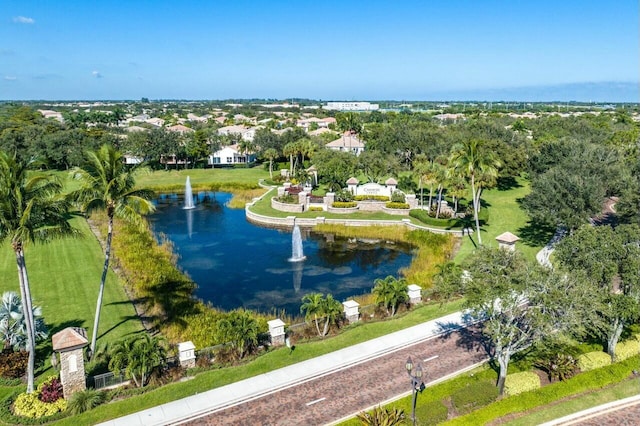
x: 230, y: 155
x: 246, y: 133
x: 347, y: 142
x: 179, y: 128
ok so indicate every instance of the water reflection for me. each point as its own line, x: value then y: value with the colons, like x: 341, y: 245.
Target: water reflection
x: 237, y: 264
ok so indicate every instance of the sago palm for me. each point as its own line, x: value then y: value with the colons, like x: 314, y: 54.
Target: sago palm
x: 31, y: 210
x: 107, y: 185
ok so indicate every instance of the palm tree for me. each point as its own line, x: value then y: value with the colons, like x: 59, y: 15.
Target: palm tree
x: 390, y: 292
x: 107, y: 186
x: 290, y: 150
x: 138, y: 355
x: 332, y: 311
x: 312, y: 307
x: 31, y: 210
x: 477, y: 164
x: 246, y: 146
x: 270, y: 154
x: 13, y: 323
x: 240, y: 330
x: 381, y: 416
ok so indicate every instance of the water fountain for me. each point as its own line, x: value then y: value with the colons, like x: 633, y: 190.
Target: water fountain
x: 188, y: 196
x: 297, y: 254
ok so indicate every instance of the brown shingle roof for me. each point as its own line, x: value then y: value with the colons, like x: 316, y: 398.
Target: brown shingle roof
x: 507, y: 237
x: 70, y: 337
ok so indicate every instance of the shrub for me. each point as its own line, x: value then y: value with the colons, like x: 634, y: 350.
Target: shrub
x: 13, y: 365
x: 396, y: 205
x: 382, y: 416
x: 344, y: 204
x: 431, y: 413
x: 626, y: 350
x: 424, y: 217
x: 521, y: 382
x: 593, y: 360
x: 50, y: 390
x: 287, y: 199
x: 558, y: 366
x: 474, y: 395
x: 398, y: 197
x: 344, y: 196
x: 29, y: 405
x: 371, y: 198
x: 85, y: 401
x: 315, y: 209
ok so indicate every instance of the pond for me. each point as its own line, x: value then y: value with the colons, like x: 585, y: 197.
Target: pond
x: 238, y: 264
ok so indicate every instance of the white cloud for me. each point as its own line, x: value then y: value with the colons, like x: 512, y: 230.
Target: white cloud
x: 10, y: 78
x: 23, y: 20
x: 96, y: 74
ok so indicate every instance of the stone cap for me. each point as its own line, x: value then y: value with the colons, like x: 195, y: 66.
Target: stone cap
x: 350, y: 304
x: 507, y: 237
x: 414, y: 287
x: 352, y: 181
x: 391, y: 181
x: 69, y: 338
x: 186, y: 346
x: 275, y: 323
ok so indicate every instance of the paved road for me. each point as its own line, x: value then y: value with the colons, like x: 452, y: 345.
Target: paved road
x: 339, y: 394
x: 624, y: 412
x: 629, y: 416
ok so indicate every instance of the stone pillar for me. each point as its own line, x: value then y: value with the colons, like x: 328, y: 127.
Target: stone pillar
x: 507, y: 241
x: 280, y: 191
x: 276, y: 332
x: 187, y: 354
x: 411, y: 200
x: 302, y: 199
x: 351, y: 311
x: 415, y: 294
x: 329, y: 199
x: 69, y: 343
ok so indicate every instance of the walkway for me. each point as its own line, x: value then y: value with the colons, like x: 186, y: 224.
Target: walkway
x: 624, y: 412
x: 327, y: 388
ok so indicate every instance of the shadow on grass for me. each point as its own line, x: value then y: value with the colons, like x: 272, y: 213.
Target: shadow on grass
x: 507, y: 183
x: 536, y: 234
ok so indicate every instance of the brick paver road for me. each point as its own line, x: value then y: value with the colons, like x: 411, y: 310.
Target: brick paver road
x: 339, y: 394
x: 627, y: 416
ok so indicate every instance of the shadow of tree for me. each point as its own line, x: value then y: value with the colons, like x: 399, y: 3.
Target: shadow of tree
x: 506, y: 183
x: 536, y: 234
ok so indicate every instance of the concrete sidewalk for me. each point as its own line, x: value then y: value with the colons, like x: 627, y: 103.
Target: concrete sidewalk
x: 264, y: 384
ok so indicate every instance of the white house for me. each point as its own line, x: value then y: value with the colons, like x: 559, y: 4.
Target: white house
x: 347, y: 142
x: 229, y: 156
x: 246, y: 133
x: 351, y: 106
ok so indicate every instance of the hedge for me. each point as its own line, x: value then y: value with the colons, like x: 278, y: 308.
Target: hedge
x: 626, y: 350
x: 521, y: 382
x: 593, y: 360
x: 371, y: 198
x: 394, y: 205
x: 583, y: 382
x: 430, y: 413
x: 344, y: 204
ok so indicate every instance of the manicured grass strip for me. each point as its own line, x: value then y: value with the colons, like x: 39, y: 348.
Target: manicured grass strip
x: 505, y: 214
x: 202, y: 178
x: 589, y: 381
x: 65, y: 277
x: 615, y: 392
x: 272, y: 360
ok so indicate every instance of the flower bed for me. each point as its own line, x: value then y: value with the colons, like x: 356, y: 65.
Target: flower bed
x: 286, y: 207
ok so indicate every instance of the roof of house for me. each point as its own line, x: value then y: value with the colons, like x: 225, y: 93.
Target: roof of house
x: 352, y: 181
x: 346, y: 141
x: 320, y: 131
x: 69, y: 338
x: 180, y: 129
x: 391, y: 181
x: 507, y: 237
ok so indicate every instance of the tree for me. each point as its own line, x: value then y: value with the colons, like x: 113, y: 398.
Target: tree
x: 31, y: 210
x: 246, y: 146
x: 349, y: 122
x: 240, y: 330
x: 270, y: 154
x: 381, y: 416
x: 332, y: 312
x: 139, y: 356
x: 479, y: 166
x: 390, y: 292
x: 518, y: 303
x: 610, y: 261
x: 335, y: 167
x: 312, y: 308
x: 106, y: 185
x: 375, y: 165
x: 13, y: 323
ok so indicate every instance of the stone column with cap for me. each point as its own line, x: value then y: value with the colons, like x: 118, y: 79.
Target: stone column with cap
x: 69, y: 343
x: 276, y: 332
x: 507, y: 241
x: 351, y: 311
x: 187, y: 354
x: 415, y: 294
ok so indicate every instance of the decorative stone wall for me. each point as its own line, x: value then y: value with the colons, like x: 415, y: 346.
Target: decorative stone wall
x: 342, y: 211
x: 395, y: 212
x: 286, y: 207
x: 72, y: 372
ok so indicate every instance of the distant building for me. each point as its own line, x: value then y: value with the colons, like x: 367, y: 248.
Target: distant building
x: 351, y: 106
x: 229, y: 156
x: 246, y: 133
x: 179, y: 128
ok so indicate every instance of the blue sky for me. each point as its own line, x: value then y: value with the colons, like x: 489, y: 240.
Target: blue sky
x: 340, y: 50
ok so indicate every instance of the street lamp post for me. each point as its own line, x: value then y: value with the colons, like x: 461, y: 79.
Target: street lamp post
x: 417, y: 385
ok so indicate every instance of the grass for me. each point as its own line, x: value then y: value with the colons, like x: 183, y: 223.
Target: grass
x: 202, y: 178
x: 64, y: 276
x: 614, y: 392
x: 505, y: 214
x: 272, y: 360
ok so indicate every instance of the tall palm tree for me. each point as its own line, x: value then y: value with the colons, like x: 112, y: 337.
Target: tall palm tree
x: 479, y: 165
x: 240, y: 329
x: 246, y: 146
x: 270, y: 154
x: 332, y: 311
x: 390, y: 292
x: 31, y: 210
x: 107, y: 186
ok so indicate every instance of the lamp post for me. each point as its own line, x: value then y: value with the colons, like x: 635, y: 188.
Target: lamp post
x: 417, y: 385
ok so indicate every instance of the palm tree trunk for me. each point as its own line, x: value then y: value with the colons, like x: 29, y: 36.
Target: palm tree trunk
x: 430, y: 196
x: 475, y: 208
x: 315, y: 318
x: 421, y: 194
x: 440, y: 188
x: 326, y: 327
x: 105, y: 269
x: 28, y: 315
x: 271, y: 169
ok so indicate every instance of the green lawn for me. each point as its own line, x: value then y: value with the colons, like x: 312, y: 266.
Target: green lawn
x: 202, y: 177
x: 563, y: 408
x: 505, y: 214
x: 65, y: 277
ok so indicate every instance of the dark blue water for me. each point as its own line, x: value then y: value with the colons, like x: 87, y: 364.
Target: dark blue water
x: 237, y: 264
